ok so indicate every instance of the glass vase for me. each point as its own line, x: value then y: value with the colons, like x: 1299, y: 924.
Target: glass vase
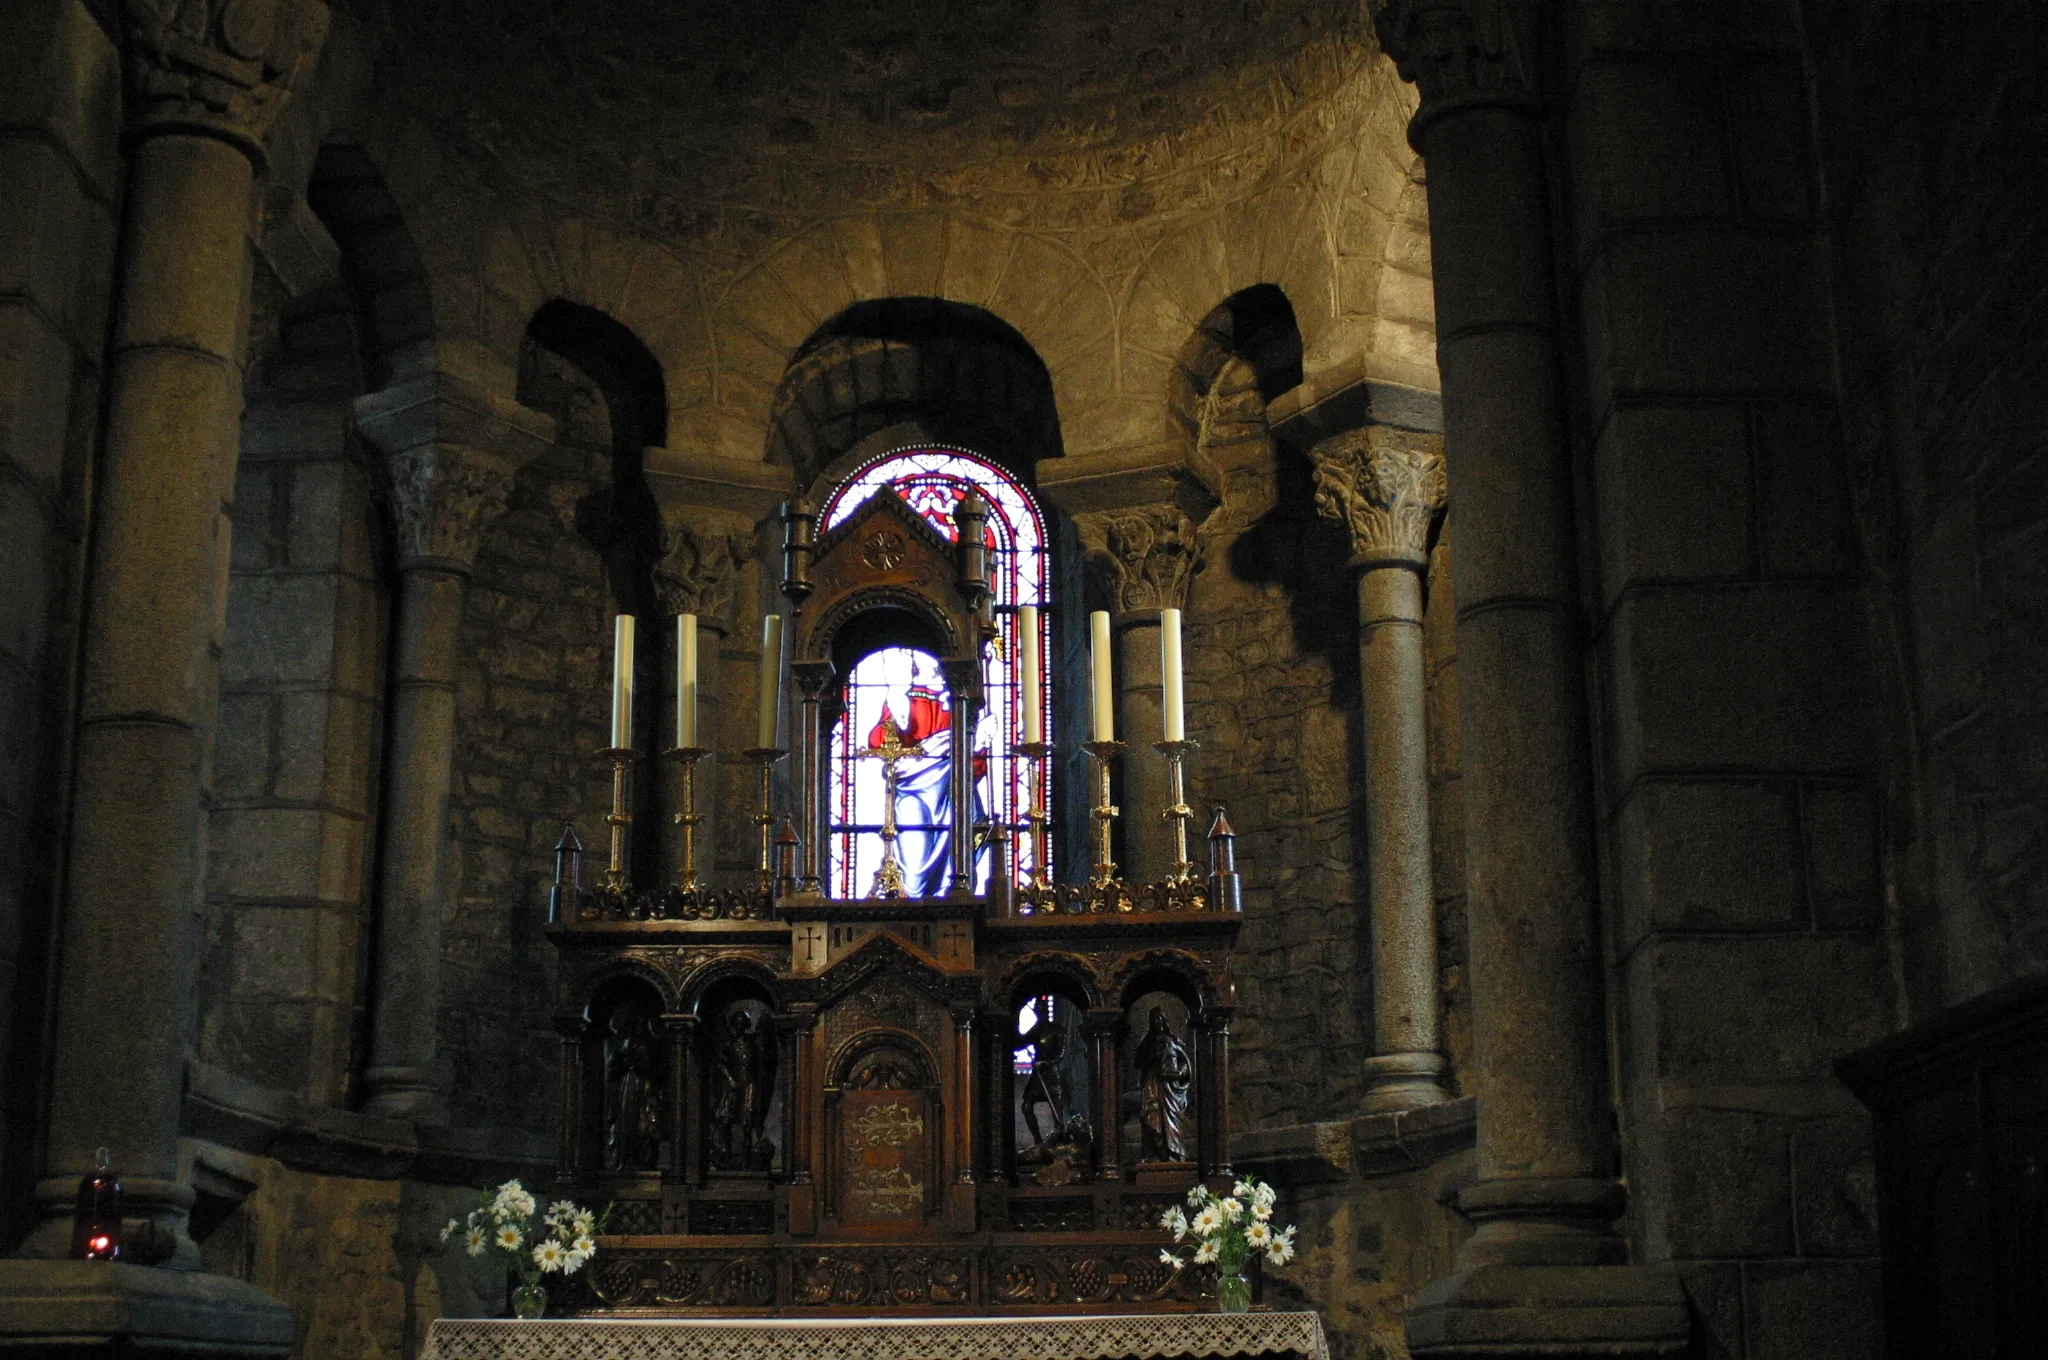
x: 530, y: 1300
x: 1233, y: 1293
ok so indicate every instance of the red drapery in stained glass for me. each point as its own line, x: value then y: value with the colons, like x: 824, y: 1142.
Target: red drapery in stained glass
x: 908, y: 683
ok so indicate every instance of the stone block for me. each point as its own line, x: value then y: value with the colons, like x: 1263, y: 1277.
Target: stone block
x: 1707, y: 855
x: 280, y: 629
x: 1714, y: 1289
x: 1647, y: 142
x: 1946, y: 595
x: 267, y: 853
x: 1404, y: 296
x: 1769, y: 121
x: 1814, y: 1310
x: 303, y: 743
x: 241, y: 747
x: 1674, y: 496
x: 1842, y: 875
x: 318, y: 502
x: 263, y: 1041
x: 1803, y: 513
x: 255, y: 546
x: 274, y: 952
x: 1757, y: 1011
x: 1760, y: 679
x: 25, y: 572
x: 43, y: 233
x: 35, y: 394
x: 1680, y: 26
x: 1834, y: 1169
x: 1722, y: 1186
x: 75, y: 1307
x: 1706, y: 310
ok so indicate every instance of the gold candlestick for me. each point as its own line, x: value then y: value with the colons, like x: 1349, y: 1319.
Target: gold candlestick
x: 1036, y: 752
x: 1105, y: 812
x: 687, y: 819
x: 616, y: 882
x: 764, y: 818
x: 1178, y: 812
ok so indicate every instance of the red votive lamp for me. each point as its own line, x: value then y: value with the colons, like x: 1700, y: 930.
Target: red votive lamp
x: 96, y: 1223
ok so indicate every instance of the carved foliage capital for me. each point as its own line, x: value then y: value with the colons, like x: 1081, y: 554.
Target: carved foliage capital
x: 1389, y: 492
x: 223, y: 67
x: 1148, y: 553
x: 446, y: 495
x: 699, y: 571
x: 1457, y: 51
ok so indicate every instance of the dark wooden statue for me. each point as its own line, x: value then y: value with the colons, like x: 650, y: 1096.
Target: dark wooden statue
x: 816, y: 1106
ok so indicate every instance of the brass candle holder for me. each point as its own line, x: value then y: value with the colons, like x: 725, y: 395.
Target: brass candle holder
x: 616, y: 882
x: 764, y: 816
x: 1038, y: 819
x: 1177, y: 811
x: 1105, y: 812
x: 687, y: 819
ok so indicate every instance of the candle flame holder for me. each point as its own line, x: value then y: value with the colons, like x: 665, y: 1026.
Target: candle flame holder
x: 1038, y: 819
x: 1105, y: 813
x: 616, y: 880
x: 1182, y: 873
x: 764, y: 819
x: 687, y: 884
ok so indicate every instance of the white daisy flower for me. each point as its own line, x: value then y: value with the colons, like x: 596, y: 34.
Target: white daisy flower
x: 574, y: 1262
x: 1208, y: 1221
x: 1280, y: 1253
x: 561, y: 1211
x: 1242, y: 1190
x: 1233, y: 1209
x: 1266, y: 1195
x: 449, y: 1231
x: 549, y: 1256
x: 1262, y: 1212
x: 1207, y: 1252
x: 1167, y: 1258
x: 473, y: 1241
x: 584, y: 1244
x: 1258, y: 1234
x: 1197, y: 1195
x: 585, y: 1223
x: 508, y: 1238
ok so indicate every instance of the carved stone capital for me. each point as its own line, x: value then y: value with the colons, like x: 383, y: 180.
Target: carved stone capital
x: 1148, y: 553
x: 446, y: 495
x: 453, y: 449
x: 218, y: 68
x: 1387, y: 487
x: 699, y: 571
x: 1459, y: 54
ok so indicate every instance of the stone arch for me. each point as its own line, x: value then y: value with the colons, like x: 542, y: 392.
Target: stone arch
x: 379, y: 262
x: 965, y: 375
x: 1255, y: 328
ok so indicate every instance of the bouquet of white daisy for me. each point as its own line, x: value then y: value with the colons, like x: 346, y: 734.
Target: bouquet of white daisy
x: 1228, y: 1231
x: 508, y: 1224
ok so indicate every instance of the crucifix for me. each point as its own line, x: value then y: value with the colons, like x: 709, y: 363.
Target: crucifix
x: 891, y: 750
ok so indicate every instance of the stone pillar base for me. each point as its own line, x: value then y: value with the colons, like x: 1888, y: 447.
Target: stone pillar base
x: 1404, y: 1081
x: 404, y: 1093
x: 88, y: 1309
x: 1551, y: 1312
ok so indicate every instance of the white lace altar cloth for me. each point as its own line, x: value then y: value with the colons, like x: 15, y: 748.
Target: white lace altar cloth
x: 1112, y: 1337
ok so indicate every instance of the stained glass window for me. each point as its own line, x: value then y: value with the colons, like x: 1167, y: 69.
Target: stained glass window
x: 897, y: 696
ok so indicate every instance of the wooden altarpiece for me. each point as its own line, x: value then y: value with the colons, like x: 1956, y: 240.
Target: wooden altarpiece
x: 800, y: 1104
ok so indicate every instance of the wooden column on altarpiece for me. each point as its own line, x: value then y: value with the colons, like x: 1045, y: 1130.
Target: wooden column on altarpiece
x: 682, y: 1108
x: 1212, y: 1128
x: 960, y: 1104
x: 814, y: 681
x: 569, y: 1160
x: 963, y: 683
x: 1102, y: 1026
x: 800, y: 1117
x: 996, y: 1032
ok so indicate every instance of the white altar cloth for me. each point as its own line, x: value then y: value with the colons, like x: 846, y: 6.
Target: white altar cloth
x: 1102, y: 1337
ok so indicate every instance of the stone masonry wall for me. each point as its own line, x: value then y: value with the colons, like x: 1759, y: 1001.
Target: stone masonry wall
x: 59, y: 158
x: 1737, y: 689
x: 296, y: 763
x: 532, y: 703
x: 1932, y: 128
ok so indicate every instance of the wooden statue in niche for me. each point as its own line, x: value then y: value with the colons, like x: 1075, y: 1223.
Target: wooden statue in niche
x: 742, y: 1080
x: 632, y: 1094
x: 1165, y: 1075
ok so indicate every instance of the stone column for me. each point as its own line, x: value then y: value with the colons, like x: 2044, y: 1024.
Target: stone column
x: 1535, y: 1276
x: 203, y: 90
x: 453, y: 449
x: 1147, y: 555
x: 1387, y: 488
x: 699, y: 574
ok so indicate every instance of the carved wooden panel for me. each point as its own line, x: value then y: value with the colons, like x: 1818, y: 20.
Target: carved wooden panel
x: 1036, y: 1276
x: 623, y: 1277
x: 732, y: 1216
x: 886, y: 1142
x: 883, y: 1279
x: 1053, y: 1215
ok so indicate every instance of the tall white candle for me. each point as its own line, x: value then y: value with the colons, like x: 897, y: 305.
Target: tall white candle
x: 1102, y: 688
x: 771, y: 682
x: 622, y: 682
x: 1030, y: 675
x: 1173, y: 716
x: 686, y: 679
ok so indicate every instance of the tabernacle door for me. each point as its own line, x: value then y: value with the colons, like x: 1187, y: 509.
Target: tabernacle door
x: 888, y: 1135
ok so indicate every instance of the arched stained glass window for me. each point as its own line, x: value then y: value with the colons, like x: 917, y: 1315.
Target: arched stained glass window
x: 897, y: 700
